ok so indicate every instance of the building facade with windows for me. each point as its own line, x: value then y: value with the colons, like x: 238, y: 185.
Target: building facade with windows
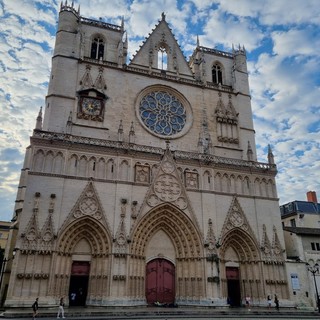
x: 301, y: 228
x: 141, y: 182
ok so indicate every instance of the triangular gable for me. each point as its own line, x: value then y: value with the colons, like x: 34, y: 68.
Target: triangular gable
x: 87, y: 205
x: 167, y: 187
x: 236, y: 219
x: 277, y: 250
x: 162, y: 40
x: 47, y: 236
x: 266, y: 245
x: 32, y: 231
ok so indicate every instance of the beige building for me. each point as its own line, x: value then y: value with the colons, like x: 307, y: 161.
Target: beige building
x: 301, y: 228
x: 141, y: 182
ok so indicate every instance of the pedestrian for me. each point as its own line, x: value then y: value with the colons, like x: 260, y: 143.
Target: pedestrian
x: 248, y: 301
x: 61, y: 308
x: 276, y: 301
x: 269, y: 301
x: 35, y: 307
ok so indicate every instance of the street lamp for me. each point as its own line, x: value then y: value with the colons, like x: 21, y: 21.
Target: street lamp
x: 315, y: 269
x: 3, y: 266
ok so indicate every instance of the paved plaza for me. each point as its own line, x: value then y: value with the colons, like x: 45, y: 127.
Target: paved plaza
x: 164, y: 314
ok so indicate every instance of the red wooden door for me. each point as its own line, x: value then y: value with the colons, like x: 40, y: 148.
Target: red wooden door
x: 160, y: 281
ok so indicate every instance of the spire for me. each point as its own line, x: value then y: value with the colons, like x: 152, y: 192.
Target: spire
x: 249, y: 152
x: 131, y: 134
x: 39, y: 120
x: 120, y: 132
x: 122, y: 24
x: 270, y: 155
x: 198, y: 43
x: 79, y: 9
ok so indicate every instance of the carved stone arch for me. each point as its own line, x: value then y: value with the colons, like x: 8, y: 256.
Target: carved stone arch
x: 239, y: 184
x: 92, y: 166
x: 264, y: 185
x: 110, y: 170
x: 271, y: 189
x: 48, y: 161
x: 207, y: 180
x: 83, y: 166
x: 225, y: 183
x: 154, y: 170
x: 38, y: 160
x: 124, y: 170
x: 243, y: 244
x: 101, y: 168
x: 218, y: 182
x: 73, y: 164
x: 179, y: 228
x: 233, y: 187
x: 246, y: 185
x: 85, y: 228
x: 257, y: 187
x: 58, y: 163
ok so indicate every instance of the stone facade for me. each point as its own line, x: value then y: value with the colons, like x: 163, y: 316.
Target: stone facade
x: 141, y: 182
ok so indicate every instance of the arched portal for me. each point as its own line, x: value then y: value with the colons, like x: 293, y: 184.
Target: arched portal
x: 240, y: 267
x: 82, y: 263
x: 168, y: 233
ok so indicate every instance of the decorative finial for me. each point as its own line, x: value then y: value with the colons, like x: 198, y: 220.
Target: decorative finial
x: 163, y: 16
x: 39, y: 120
x: 168, y: 144
x: 249, y: 152
x: 270, y: 155
x: 198, y: 43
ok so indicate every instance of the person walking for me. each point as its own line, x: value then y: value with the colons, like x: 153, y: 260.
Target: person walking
x: 35, y: 307
x: 276, y: 301
x: 61, y: 309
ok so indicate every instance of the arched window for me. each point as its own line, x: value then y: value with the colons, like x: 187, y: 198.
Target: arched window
x: 216, y: 73
x: 162, y: 58
x: 97, y: 48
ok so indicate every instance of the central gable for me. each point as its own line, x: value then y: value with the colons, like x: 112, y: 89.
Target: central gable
x: 161, y: 51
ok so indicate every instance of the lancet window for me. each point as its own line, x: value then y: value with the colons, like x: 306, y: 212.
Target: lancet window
x: 217, y: 73
x: 97, y: 48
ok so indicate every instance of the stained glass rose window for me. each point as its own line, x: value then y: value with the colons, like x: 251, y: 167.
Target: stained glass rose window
x: 163, y: 113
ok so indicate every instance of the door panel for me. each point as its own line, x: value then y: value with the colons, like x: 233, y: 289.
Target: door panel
x: 160, y: 281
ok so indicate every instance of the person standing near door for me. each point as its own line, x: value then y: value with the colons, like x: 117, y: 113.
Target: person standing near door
x: 61, y: 308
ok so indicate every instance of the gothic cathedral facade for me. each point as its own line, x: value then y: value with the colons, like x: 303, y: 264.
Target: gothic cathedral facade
x: 141, y: 183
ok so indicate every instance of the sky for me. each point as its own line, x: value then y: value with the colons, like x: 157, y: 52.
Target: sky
x: 282, y: 41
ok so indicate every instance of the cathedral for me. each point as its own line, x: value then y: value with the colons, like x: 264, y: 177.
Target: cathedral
x: 141, y: 183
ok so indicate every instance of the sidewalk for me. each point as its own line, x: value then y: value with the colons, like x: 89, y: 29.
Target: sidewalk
x: 156, y: 312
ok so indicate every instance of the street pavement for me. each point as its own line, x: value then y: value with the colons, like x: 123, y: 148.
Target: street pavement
x: 154, y: 313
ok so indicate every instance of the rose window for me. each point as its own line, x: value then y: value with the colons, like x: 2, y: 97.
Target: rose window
x: 163, y: 113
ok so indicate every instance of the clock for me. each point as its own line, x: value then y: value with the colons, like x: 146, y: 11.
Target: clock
x: 91, y: 106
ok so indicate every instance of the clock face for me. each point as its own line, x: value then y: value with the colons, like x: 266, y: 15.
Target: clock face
x: 91, y: 106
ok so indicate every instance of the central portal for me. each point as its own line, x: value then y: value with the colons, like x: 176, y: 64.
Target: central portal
x: 160, y: 281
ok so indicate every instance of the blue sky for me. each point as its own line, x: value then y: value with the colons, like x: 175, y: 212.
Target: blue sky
x: 282, y: 39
